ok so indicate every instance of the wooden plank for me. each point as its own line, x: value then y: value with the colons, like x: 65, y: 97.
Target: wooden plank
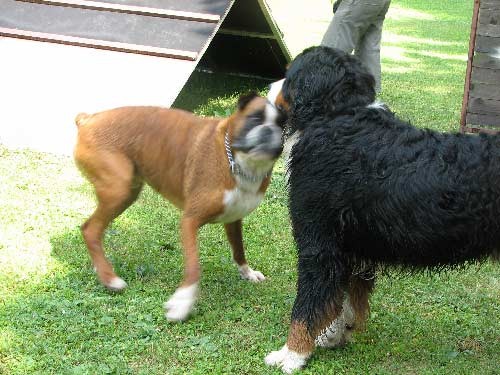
x: 485, y: 120
x: 484, y: 106
x: 108, y: 27
x: 489, y: 30
x: 487, y: 44
x: 219, y: 7
x: 480, y: 75
x: 131, y: 9
x: 246, y: 33
x: 485, y: 60
x: 489, y: 4
x: 485, y: 91
x: 489, y: 16
x: 276, y: 30
x: 478, y: 130
x: 93, y: 43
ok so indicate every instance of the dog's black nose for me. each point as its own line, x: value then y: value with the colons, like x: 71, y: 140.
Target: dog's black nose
x: 265, y: 134
x: 282, y: 117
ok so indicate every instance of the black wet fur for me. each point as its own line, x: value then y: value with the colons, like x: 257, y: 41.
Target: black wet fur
x: 368, y: 190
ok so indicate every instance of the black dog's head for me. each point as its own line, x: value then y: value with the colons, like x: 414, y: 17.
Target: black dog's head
x: 322, y: 81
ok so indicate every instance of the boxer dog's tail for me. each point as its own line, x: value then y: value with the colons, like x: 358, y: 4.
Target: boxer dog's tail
x: 81, y: 119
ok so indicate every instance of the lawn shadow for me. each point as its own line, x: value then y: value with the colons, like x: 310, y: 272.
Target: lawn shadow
x: 212, y: 94
x: 144, y: 241
x: 424, y: 59
x: 66, y: 322
x: 63, y: 321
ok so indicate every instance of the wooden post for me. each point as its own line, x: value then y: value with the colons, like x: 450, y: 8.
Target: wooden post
x: 472, y: 44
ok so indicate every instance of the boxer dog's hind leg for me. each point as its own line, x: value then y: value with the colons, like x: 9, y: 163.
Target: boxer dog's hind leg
x: 116, y: 189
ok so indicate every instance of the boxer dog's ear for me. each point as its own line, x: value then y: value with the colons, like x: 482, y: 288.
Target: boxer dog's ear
x: 245, y: 99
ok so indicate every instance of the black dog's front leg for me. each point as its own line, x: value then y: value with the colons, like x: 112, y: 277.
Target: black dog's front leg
x: 321, y: 287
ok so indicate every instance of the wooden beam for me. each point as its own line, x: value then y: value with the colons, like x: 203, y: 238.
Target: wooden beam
x: 275, y: 29
x: 490, y: 4
x: 246, y: 33
x: 481, y: 75
x: 486, y: 60
x: 487, y: 44
x: 468, y: 72
x: 485, y: 91
x: 489, y: 16
x: 477, y: 120
x: 478, y: 130
x: 484, y: 29
x: 482, y: 106
x: 131, y: 9
x: 100, y: 44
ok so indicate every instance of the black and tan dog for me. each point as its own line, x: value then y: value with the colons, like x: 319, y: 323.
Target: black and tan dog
x: 215, y: 170
x: 368, y: 190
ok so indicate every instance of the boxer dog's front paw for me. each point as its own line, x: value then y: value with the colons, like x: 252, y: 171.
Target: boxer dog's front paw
x: 179, y: 306
x: 249, y: 274
x: 116, y: 284
x: 109, y: 279
x: 286, y: 359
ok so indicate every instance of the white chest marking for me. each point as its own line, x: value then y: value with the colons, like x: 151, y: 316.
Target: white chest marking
x: 377, y: 105
x: 239, y: 203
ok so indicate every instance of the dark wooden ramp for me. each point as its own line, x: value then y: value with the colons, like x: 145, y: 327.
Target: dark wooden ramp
x: 481, y: 104
x: 60, y: 57
x: 242, y: 34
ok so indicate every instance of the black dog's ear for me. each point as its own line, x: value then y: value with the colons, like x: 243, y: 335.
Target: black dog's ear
x: 245, y: 99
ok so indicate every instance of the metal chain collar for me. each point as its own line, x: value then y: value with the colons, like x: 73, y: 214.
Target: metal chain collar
x: 234, y: 167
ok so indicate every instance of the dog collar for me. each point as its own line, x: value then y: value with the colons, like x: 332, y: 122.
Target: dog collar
x: 235, y: 167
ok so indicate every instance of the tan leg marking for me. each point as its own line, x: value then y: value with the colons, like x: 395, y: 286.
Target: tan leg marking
x: 235, y: 237
x: 359, y: 295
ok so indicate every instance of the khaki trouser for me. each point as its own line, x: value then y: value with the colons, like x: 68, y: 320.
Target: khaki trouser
x: 357, y: 26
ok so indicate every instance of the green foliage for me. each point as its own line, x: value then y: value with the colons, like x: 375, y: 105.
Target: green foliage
x: 56, y: 319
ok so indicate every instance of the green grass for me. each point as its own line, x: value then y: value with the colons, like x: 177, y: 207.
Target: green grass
x: 56, y: 319
x: 424, y: 57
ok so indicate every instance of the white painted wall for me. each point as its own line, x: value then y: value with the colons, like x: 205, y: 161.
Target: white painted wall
x: 44, y: 85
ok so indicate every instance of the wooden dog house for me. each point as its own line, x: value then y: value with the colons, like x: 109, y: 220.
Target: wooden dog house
x: 61, y: 57
x: 481, y: 103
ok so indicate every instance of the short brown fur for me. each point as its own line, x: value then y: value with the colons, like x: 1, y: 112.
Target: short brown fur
x: 180, y: 155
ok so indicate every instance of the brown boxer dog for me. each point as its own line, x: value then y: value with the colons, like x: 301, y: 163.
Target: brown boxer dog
x: 215, y: 170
